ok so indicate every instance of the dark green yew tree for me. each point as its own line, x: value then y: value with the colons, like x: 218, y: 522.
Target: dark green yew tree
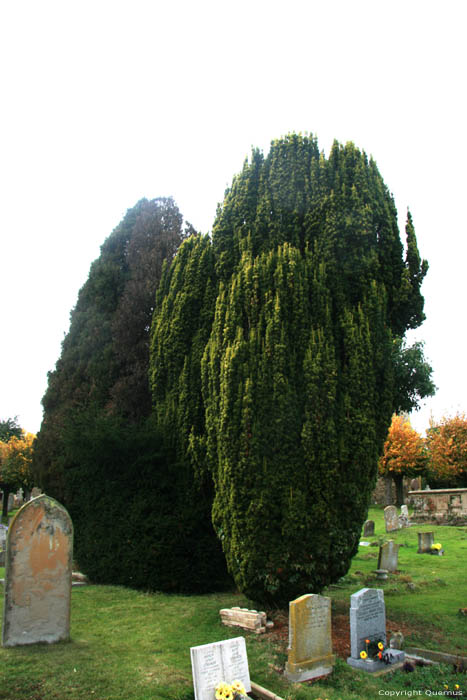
x: 140, y: 517
x: 300, y: 299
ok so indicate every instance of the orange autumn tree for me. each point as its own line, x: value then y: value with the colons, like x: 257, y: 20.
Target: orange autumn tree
x: 404, y: 454
x: 447, y: 448
x: 15, y: 465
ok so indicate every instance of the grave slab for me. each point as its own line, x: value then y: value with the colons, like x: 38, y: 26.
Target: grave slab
x: 37, y: 585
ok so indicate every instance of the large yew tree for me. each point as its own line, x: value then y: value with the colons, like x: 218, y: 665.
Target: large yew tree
x: 140, y: 517
x: 272, y: 358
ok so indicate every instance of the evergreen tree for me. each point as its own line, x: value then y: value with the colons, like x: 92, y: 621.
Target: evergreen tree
x: 140, y: 517
x: 298, y: 376
x: 104, y: 356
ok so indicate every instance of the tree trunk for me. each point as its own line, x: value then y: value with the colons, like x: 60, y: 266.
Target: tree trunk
x: 388, y: 500
x: 398, y: 481
x: 6, y: 493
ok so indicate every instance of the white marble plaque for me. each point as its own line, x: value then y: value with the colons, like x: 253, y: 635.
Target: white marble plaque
x: 222, y: 661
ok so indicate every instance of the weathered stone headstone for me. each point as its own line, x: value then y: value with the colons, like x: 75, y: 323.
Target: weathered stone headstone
x: 11, y: 501
x: 35, y: 492
x: 368, y: 528
x: 388, y: 556
x: 404, y: 517
x: 222, y: 661
x: 38, y: 574
x: 425, y: 540
x: 3, y: 534
x: 391, y: 519
x: 310, y: 643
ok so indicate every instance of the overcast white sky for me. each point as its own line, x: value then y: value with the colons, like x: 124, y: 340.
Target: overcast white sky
x: 103, y: 103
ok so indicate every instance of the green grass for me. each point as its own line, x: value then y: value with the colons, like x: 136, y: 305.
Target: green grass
x: 128, y: 645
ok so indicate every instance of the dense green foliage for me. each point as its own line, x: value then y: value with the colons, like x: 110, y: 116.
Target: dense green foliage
x: 140, y: 517
x: 10, y: 428
x: 273, y: 363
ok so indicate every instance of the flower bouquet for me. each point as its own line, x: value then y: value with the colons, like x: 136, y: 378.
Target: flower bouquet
x: 437, y: 549
x: 373, y: 652
x: 230, y: 691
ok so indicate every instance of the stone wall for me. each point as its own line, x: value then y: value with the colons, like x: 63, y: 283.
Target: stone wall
x: 441, y: 506
x: 385, y: 490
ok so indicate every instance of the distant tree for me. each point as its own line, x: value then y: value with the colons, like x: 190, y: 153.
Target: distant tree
x: 15, y: 466
x: 9, y: 428
x: 412, y: 376
x: 404, y: 454
x: 447, y: 448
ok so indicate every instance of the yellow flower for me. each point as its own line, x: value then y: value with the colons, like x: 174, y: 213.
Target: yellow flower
x: 363, y: 655
x: 380, y: 646
x: 238, y: 687
x: 436, y: 546
x: 222, y: 691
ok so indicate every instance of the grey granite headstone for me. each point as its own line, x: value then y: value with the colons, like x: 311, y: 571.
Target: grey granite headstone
x: 368, y: 528
x: 368, y: 622
x: 367, y: 619
x: 388, y: 556
x: 391, y: 519
x: 221, y: 661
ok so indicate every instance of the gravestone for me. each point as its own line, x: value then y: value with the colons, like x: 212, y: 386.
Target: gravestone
x: 368, y: 528
x: 367, y: 626
x: 38, y: 574
x: 222, y: 661
x: 388, y: 556
x: 425, y: 540
x: 11, y: 501
x: 367, y: 619
x: 404, y: 517
x: 391, y: 519
x: 310, y: 643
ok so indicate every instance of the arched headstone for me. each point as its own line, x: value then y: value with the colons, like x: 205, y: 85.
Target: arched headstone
x: 39, y: 559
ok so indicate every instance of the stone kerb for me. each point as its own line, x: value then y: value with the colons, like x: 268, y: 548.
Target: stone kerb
x: 39, y: 557
x: 310, y: 642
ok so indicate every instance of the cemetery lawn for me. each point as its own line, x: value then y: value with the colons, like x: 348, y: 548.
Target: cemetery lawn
x: 130, y: 645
